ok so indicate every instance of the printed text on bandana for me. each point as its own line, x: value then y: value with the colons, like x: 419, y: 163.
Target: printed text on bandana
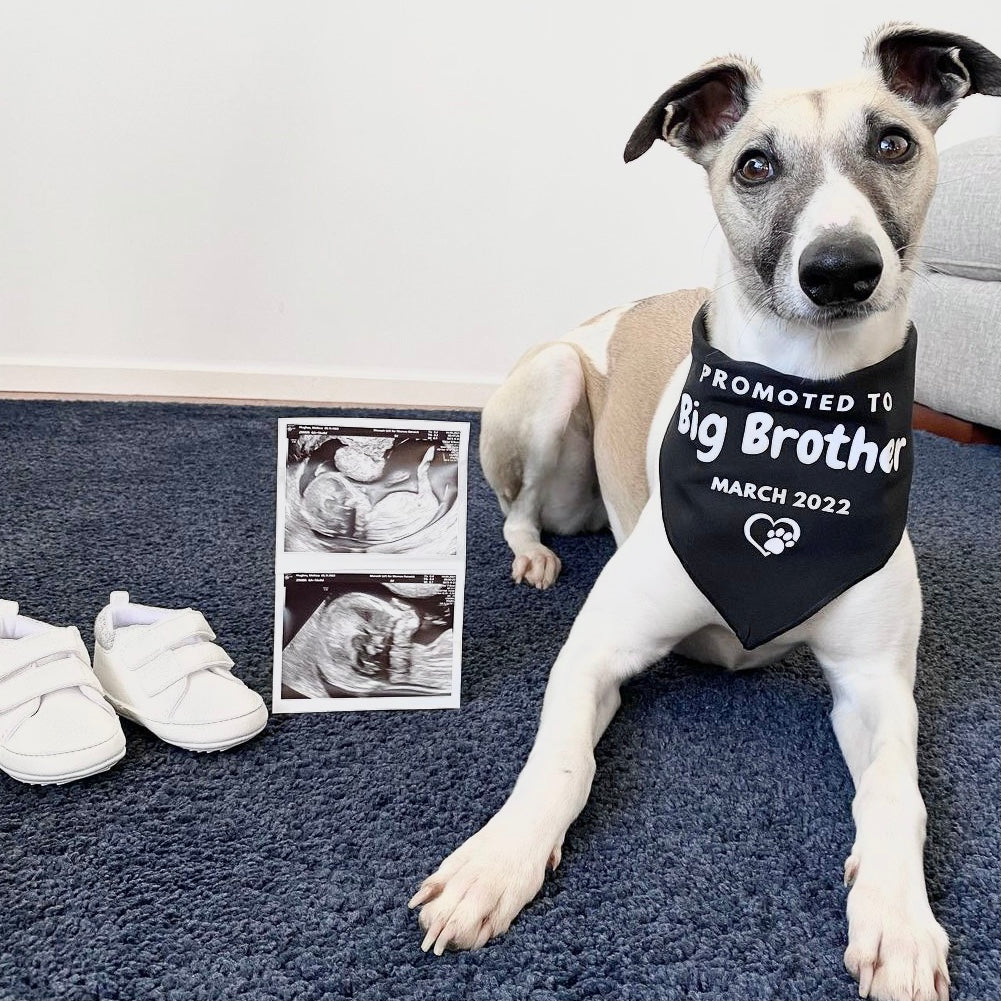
x: 844, y: 446
x: 779, y: 492
x: 841, y: 447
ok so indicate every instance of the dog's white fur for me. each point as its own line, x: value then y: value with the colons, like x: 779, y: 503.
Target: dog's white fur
x: 644, y: 605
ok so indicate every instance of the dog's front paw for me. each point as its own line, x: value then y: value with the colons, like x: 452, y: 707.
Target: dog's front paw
x: 480, y: 889
x: 896, y: 949
x: 539, y: 567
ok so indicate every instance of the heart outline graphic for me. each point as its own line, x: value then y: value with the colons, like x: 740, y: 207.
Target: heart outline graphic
x: 775, y: 523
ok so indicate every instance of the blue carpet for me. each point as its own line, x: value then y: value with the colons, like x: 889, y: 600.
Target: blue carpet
x: 707, y: 865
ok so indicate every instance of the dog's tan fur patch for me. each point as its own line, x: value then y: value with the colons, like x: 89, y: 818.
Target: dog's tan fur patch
x: 648, y: 343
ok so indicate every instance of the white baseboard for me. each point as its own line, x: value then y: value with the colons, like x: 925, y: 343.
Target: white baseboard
x: 61, y: 381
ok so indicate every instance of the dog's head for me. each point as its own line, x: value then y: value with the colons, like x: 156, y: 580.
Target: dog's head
x: 822, y: 193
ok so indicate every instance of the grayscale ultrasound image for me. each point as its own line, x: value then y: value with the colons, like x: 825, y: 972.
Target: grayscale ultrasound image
x: 367, y: 635
x: 366, y: 490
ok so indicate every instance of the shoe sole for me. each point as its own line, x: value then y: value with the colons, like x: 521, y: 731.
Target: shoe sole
x: 58, y: 780
x: 224, y: 745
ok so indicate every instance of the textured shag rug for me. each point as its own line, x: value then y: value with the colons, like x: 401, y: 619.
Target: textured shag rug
x: 707, y: 864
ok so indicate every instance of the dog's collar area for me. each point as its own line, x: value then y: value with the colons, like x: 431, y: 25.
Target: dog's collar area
x: 701, y: 344
x: 778, y: 493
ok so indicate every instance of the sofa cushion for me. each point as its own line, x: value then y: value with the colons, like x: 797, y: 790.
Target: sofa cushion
x: 959, y: 347
x: 963, y: 231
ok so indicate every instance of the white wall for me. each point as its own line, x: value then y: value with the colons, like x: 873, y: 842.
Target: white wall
x: 350, y: 189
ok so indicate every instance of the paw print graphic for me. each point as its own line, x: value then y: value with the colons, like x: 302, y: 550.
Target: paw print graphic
x: 778, y: 540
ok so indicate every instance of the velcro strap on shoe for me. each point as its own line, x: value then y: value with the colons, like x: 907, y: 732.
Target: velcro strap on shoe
x: 172, y: 666
x: 167, y: 634
x: 17, y: 656
x: 44, y: 679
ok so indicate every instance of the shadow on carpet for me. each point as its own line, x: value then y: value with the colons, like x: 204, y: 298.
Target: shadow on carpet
x: 707, y: 864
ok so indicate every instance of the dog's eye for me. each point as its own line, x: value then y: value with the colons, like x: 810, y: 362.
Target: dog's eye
x: 894, y: 146
x: 754, y: 167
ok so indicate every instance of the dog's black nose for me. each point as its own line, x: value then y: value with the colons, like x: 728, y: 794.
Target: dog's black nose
x: 839, y: 269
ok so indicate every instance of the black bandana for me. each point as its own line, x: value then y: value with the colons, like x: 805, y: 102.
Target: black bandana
x: 779, y: 493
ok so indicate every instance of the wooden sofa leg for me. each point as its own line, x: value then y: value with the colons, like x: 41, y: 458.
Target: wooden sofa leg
x: 946, y: 426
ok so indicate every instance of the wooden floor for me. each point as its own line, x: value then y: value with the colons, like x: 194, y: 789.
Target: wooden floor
x: 228, y: 401
x: 925, y: 419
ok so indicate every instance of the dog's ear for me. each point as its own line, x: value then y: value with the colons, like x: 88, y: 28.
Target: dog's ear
x: 697, y: 112
x: 932, y: 70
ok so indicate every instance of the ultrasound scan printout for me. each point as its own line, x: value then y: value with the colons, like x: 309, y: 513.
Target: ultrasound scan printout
x: 370, y: 564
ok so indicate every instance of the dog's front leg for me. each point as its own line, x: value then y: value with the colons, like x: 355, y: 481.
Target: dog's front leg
x: 896, y: 949
x: 641, y: 605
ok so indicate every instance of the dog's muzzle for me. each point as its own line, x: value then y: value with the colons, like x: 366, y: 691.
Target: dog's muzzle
x: 841, y: 269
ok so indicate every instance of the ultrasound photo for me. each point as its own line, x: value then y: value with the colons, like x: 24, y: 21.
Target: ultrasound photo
x: 372, y: 489
x: 350, y: 636
x: 369, y: 564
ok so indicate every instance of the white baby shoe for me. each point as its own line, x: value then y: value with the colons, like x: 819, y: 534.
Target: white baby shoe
x: 55, y: 725
x: 159, y: 667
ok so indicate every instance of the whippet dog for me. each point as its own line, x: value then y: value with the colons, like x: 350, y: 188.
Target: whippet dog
x: 821, y: 196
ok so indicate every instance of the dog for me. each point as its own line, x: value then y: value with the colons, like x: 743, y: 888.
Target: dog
x: 821, y: 196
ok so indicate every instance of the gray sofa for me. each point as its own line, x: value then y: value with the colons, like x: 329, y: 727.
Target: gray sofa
x: 956, y: 305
